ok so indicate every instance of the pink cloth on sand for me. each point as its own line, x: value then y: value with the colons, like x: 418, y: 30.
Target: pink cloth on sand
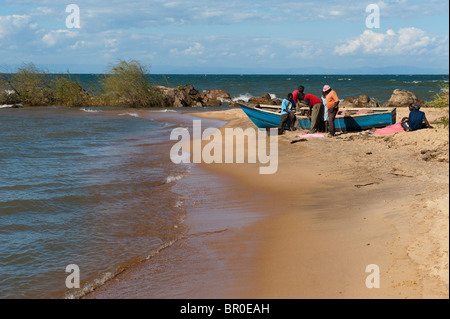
x: 311, y: 135
x: 391, y: 129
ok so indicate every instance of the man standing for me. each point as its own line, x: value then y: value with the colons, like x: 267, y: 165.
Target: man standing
x: 325, y: 113
x: 315, y: 109
x: 332, y: 103
x: 287, y: 114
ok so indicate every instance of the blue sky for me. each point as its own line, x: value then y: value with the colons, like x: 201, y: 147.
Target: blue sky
x: 228, y: 36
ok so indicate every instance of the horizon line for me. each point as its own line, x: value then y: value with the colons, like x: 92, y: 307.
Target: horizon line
x: 243, y: 74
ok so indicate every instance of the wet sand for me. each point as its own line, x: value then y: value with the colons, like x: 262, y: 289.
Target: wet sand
x: 334, y: 207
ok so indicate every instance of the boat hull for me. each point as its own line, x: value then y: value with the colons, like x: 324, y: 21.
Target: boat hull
x: 267, y: 119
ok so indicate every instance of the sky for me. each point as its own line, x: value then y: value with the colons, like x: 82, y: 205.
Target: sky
x: 229, y: 37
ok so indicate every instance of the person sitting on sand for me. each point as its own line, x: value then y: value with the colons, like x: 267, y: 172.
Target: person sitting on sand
x: 315, y: 109
x: 287, y: 114
x: 416, y: 119
x: 405, y: 124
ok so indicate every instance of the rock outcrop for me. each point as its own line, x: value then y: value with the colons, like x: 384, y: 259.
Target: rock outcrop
x: 188, y: 96
x: 215, y: 97
x: 403, y: 98
x: 180, y: 96
x: 264, y: 99
x: 363, y: 101
x: 399, y: 98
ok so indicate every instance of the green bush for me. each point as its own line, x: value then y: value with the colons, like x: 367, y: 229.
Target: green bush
x: 69, y: 93
x: 126, y: 84
x: 441, y: 101
x: 30, y: 85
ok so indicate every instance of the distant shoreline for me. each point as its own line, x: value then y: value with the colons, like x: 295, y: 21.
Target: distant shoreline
x: 378, y: 87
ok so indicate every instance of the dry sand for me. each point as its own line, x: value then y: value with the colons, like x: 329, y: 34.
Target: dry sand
x: 348, y: 202
x: 335, y: 206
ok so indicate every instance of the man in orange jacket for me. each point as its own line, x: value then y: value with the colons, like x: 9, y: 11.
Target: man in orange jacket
x: 332, y: 103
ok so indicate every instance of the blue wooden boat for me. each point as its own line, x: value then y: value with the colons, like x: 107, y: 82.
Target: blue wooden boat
x: 347, y: 119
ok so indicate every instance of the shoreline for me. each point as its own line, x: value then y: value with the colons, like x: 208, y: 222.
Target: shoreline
x: 310, y: 248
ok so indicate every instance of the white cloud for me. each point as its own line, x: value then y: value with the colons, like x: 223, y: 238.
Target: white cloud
x: 236, y: 33
x: 79, y: 45
x: 170, y: 4
x: 196, y: 49
x: 406, y: 42
x: 212, y: 13
x: 53, y: 37
x: 12, y: 24
x: 336, y: 13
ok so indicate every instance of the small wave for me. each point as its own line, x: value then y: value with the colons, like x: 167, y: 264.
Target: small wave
x: 90, y: 287
x: 412, y: 82
x: 244, y: 97
x: 90, y: 110
x: 130, y: 114
x: 171, y: 178
x: 437, y: 81
x: 164, y: 111
x: 178, y: 204
x: 344, y: 79
x: 105, y: 277
x: 247, y: 96
x: 158, y: 250
x: 5, y: 106
x: 168, y: 125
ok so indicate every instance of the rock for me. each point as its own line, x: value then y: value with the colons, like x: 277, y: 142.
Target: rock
x: 348, y: 102
x: 403, y: 98
x: 373, y: 103
x: 194, y: 95
x: 236, y: 103
x: 264, y: 99
x: 212, y: 96
x: 363, y: 101
x: 191, y: 90
x: 174, y: 97
x: 189, y: 96
x: 180, y: 96
x: 213, y: 102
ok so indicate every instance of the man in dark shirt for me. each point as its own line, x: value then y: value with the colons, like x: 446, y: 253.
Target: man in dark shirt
x: 416, y: 119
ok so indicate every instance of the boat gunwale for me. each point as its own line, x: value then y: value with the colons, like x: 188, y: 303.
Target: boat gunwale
x: 382, y: 111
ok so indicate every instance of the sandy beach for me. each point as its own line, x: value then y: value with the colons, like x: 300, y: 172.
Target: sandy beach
x: 334, y: 207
